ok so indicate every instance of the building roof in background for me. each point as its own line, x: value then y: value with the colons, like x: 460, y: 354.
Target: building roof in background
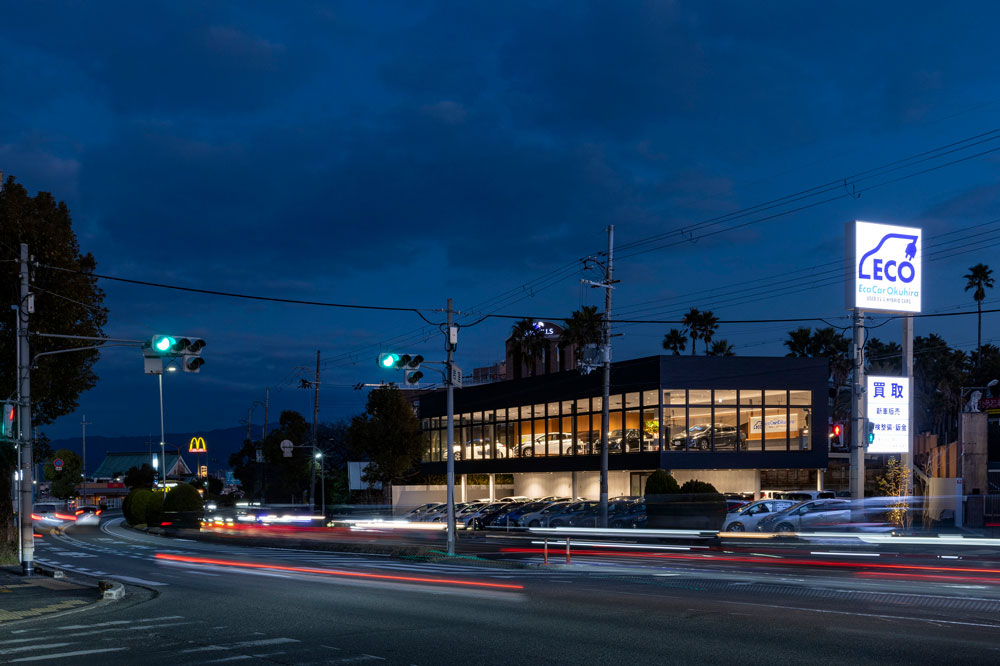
x: 118, y: 464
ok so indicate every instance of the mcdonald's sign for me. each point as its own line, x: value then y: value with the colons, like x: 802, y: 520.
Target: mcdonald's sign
x: 197, y: 445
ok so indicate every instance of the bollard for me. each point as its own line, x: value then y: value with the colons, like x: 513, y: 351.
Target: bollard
x: 567, y: 550
x: 546, y: 551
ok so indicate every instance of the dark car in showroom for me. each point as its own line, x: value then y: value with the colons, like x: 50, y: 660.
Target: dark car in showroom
x: 704, y: 437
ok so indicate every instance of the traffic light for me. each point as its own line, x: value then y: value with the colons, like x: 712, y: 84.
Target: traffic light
x: 7, y: 424
x: 388, y: 361
x: 836, y: 433
x: 163, y: 344
x: 411, y: 368
x: 870, y: 431
x: 191, y: 360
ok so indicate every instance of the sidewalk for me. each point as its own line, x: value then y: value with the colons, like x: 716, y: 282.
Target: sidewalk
x: 27, y: 597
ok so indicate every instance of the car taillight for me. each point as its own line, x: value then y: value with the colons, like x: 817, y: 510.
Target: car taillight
x: 98, y: 512
x: 35, y: 516
x: 65, y: 516
x: 79, y: 511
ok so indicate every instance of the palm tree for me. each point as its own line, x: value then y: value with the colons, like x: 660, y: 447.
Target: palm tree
x: 691, y: 321
x: 528, y: 343
x: 720, y: 348
x: 707, y: 327
x: 825, y: 343
x: 675, y: 341
x: 584, y: 327
x: 980, y: 278
x: 800, y: 342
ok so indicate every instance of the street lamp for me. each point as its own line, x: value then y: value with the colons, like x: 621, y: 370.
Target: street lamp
x: 322, y: 484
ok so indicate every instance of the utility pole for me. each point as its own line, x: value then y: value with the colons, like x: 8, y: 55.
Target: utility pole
x: 908, y: 373
x: 451, y: 341
x: 606, y: 381
x: 312, y: 467
x: 84, y: 423
x: 858, y: 434
x: 25, y: 526
x: 267, y: 401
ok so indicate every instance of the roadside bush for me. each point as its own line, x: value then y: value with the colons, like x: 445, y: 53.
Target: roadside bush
x: 136, y: 505
x: 661, y: 483
x: 182, y: 497
x: 154, y: 510
x: 696, y: 487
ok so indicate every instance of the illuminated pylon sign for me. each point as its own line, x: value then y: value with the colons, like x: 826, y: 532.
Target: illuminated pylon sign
x: 197, y: 445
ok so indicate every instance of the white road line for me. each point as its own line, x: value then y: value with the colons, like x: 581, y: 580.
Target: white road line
x: 886, y: 617
x: 819, y: 552
x: 206, y: 648
x: 264, y: 641
x: 239, y: 657
x: 137, y: 581
x: 63, y: 655
x: 202, y: 573
x: 28, y: 648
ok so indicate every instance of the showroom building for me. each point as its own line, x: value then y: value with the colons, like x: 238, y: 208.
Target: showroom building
x: 724, y: 420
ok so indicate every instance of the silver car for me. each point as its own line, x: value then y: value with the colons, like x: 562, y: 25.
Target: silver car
x: 746, y: 517
x: 541, y: 518
x: 824, y: 514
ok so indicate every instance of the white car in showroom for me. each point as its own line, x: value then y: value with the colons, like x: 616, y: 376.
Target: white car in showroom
x: 552, y: 444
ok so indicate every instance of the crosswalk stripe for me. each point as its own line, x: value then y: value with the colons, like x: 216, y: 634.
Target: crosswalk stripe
x: 63, y: 655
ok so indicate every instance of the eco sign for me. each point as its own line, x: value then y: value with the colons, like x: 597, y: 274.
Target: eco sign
x: 888, y: 403
x: 883, y: 267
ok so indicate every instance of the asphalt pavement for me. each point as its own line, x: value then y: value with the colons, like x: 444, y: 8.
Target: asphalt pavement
x: 195, y: 602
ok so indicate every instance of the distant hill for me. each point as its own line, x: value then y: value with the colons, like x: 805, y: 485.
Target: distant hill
x: 220, y: 444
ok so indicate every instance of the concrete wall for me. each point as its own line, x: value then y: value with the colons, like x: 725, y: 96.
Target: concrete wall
x: 588, y: 484
x: 405, y: 498
x: 724, y: 480
x: 974, y: 453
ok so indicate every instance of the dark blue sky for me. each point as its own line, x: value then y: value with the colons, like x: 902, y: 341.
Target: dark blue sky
x: 401, y: 153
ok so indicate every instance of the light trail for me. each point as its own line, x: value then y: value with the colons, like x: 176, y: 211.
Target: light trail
x: 333, y: 572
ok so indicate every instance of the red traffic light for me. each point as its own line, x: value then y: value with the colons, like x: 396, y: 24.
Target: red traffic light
x: 836, y: 430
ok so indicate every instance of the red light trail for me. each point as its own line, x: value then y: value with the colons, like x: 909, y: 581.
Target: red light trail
x: 331, y: 572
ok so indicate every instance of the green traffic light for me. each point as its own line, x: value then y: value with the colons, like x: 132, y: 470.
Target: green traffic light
x: 389, y: 360
x: 164, y: 343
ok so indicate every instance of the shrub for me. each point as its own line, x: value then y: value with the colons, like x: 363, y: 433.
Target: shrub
x: 182, y: 497
x: 696, y: 487
x: 136, y: 505
x: 154, y: 509
x: 661, y: 483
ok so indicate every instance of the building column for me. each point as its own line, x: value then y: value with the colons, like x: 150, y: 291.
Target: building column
x: 572, y: 485
x: 756, y: 484
x: 493, y: 492
x: 462, y: 495
x: 819, y: 479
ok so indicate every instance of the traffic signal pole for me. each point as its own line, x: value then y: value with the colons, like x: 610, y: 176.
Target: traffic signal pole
x: 859, y: 437
x: 450, y: 348
x: 25, y: 478
x: 606, y: 380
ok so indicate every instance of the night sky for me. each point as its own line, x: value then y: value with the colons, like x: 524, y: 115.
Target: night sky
x: 397, y: 154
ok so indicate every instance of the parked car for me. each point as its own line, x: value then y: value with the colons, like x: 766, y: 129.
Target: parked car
x: 415, y: 513
x: 479, y: 449
x: 461, y: 509
x: 704, y: 437
x: 513, y: 517
x: 469, y: 519
x: 632, y: 439
x: 552, y: 444
x: 570, y: 512
x: 631, y: 517
x: 591, y: 517
x: 746, y: 517
x: 488, y: 514
x: 539, y: 518
x: 808, y: 516
x: 88, y: 514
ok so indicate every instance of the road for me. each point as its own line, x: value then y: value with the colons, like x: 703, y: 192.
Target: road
x: 192, y: 602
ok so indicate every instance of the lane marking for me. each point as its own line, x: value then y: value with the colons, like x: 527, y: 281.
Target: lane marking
x: 63, y: 655
x: 886, y: 617
x: 28, y: 648
x: 138, y: 581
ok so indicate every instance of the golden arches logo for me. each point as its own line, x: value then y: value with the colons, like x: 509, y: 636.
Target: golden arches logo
x: 197, y: 445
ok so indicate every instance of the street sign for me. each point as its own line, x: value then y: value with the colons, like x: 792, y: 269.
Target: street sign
x: 883, y: 264
x: 889, y: 413
x: 286, y: 448
x: 58, y: 464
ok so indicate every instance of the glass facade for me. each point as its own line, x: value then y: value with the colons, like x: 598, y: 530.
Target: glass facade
x: 696, y: 420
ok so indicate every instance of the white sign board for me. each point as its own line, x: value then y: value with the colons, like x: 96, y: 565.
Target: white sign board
x: 776, y: 423
x: 888, y: 408
x: 883, y: 265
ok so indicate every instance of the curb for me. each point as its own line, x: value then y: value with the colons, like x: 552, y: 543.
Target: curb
x: 112, y: 590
